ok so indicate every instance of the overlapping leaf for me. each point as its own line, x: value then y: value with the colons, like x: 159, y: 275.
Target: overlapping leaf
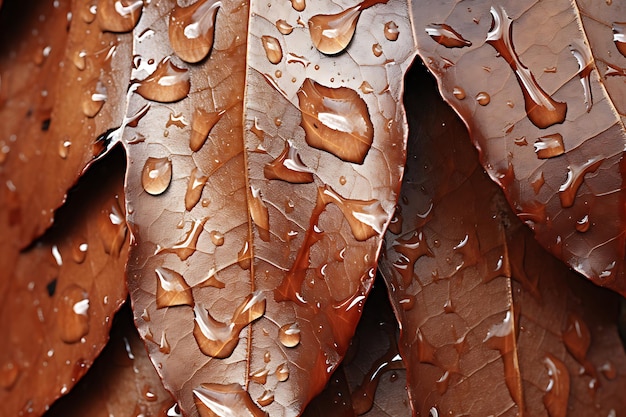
x: 540, y: 86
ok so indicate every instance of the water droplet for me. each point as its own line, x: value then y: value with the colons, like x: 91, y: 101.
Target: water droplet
x: 148, y: 394
x: 575, y: 176
x: 259, y: 213
x: 93, y: 99
x: 298, y: 5
x: 412, y: 248
x: 219, y: 340
x: 112, y: 228
x: 585, y: 65
x: 164, y: 346
x: 177, y: 120
x: 8, y: 375
x: 201, y: 125
x: 483, y: 98
x: 260, y: 376
x: 289, y: 335
x: 391, y: 31
x: 192, y: 28
x: 244, y: 257
x: 79, y: 251
x: 541, y: 109
x: 426, y: 351
x: 332, y: 33
x: 168, y: 83
x: 284, y: 27
x: 187, y: 246
x: 619, y: 36
x: 335, y: 120
x: 298, y: 59
x: 273, y: 50
x: 156, y: 175
x: 217, y: 238
x: 583, y: 224
x: 613, y: 70
x: 145, y: 316
x: 172, y: 289
x: 557, y: 392
x: 194, y: 188
x: 609, y: 370
x: 267, y: 357
x: 119, y: 15
x: 266, y: 398
x: 73, y: 314
x: 446, y: 36
x: 282, y: 372
x: 225, y: 400
x: 366, y: 88
x: 459, y: 93
x: 538, y: 182
x: 363, y: 395
x: 433, y: 412
x: 211, y: 280
x: 377, y: 50
x: 549, y: 146
x: 577, y: 339
x: 288, y: 166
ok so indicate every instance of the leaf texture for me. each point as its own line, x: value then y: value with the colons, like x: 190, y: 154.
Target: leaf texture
x: 540, y: 87
x: 482, y: 308
x: 255, y: 217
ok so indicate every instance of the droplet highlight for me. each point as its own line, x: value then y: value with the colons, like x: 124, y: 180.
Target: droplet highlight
x: 289, y: 335
x: 446, y: 36
x: 288, y: 166
x: 192, y: 29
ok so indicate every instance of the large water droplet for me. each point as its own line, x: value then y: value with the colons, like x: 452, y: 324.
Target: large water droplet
x: 172, y: 289
x: 557, y: 392
x: 549, y: 146
x: 542, y: 110
x: 446, y: 36
x: 336, y: 120
x: 194, y: 188
x: 585, y: 65
x: 201, y: 125
x: 119, y: 15
x: 192, y: 29
x: 288, y: 166
x: 156, y: 175
x: 298, y: 5
x: 219, y: 340
x: 73, y: 313
x: 273, y: 50
x: 575, y: 176
x: 225, y: 401
x: 289, y: 335
x: 168, y: 83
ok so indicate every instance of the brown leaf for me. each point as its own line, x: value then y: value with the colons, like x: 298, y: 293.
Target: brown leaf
x: 482, y: 308
x: 63, y: 291
x: 540, y: 87
x: 256, y: 219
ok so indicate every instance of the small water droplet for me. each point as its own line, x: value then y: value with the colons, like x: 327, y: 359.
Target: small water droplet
x: 78, y: 58
x: 583, y: 224
x: 267, y: 357
x: 446, y: 36
x: 244, y: 257
x: 172, y: 289
x: 93, y: 99
x: 289, y: 335
x: 73, y: 313
x: 266, y: 398
x: 168, y: 83
x: 377, y: 50
x: 585, y: 65
x: 112, y: 228
x: 549, y: 146
x: 192, y: 29
x: 282, y: 372
x: 459, y: 93
x: 79, y: 251
x: 391, y: 31
x: 260, y: 376
x: 156, y: 175
x: 194, y: 188
x: 119, y: 15
x: 273, y: 50
x: 64, y: 148
x: 164, y: 346
x: 187, y: 245
x: 284, y: 27
x: 217, y: 238
x: 298, y: 5
x: 366, y: 88
x: 575, y: 177
x: 483, y: 98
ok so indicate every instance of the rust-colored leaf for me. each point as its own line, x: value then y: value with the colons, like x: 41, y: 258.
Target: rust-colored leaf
x: 540, y: 86
x: 482, y: 307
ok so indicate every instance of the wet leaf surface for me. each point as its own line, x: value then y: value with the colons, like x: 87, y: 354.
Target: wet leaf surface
x: 62, y: 293
x: 540, y: 86
x: 482, y: 307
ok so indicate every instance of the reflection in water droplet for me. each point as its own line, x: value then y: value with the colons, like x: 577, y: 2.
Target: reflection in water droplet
x: 266, y: 398
x: 483, y: 98
x: 391, y: 31
x: 557, y: 392
x: 282, y: 372
x: 585, y: 65
x: 73, y: 313
x: 273, y: 50
x: 187, y: 246
x: 459, y: 93
x: 446, y: 36
x: 377, y: 50
x: 549, y: 146
x: 541, y: 109
x: 156, y: 175
x: 119, y: 15
x: 192, y: 28
x: 288, y: 166
x: 289, y: 335
x: 244, y: 257
x: 164, y: 346
x: 366, y: 88
x: 298, y: 5
x: 583, y: 224
x: 172, y: 289
x: 168, y: 83
x: 217, y: 238
x: 259, y: 213
x: 260, y: 376
x: 575, y: 176
x: 225, y: 401
x: 93, y: 99
x: 194, y: 188
x: 201, y: 125
x: 363, y: 395
x: 284, y: 27
x: 336, y: 120
x: 219, y: 340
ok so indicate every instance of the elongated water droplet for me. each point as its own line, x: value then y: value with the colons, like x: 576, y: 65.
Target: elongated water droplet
x: 259, y: 213
x: 266, y: 398
x: 391, y: 31
x: 194, y: 188
x: 366, y: 88
x: 298, y: 5
x: 446, y: 36
x: 282, y: 372
x: 575, y: 176
x: 273, y: 50
x: 79, y: 251
x: 542, y: 110
x: 549, y: 146
x: 260, y: 376
x: 187, y: 246
x: 336, y: 120
x: 119, y: 15
x: 225, y: 401
x: 168, y: 83
x: 73, y: 313
x: 219, y: 340
x: 201, y: 125
x: 244, y: 257
x: 156, y: 175
x: 557, y: 392
x: 192, y: 29
x: 332, y: 33
x: 583, y: 224
x: 483, y: 98
x: 577, y: 339
x: 288, y: 166
x: 172, y: 289
x: 164, y: 346
x: 289, y: 335
x: 93, y: 99
x: 112, y: 229
x: 585, y: 65
x: 619, y: 36
x: 284, y: 27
